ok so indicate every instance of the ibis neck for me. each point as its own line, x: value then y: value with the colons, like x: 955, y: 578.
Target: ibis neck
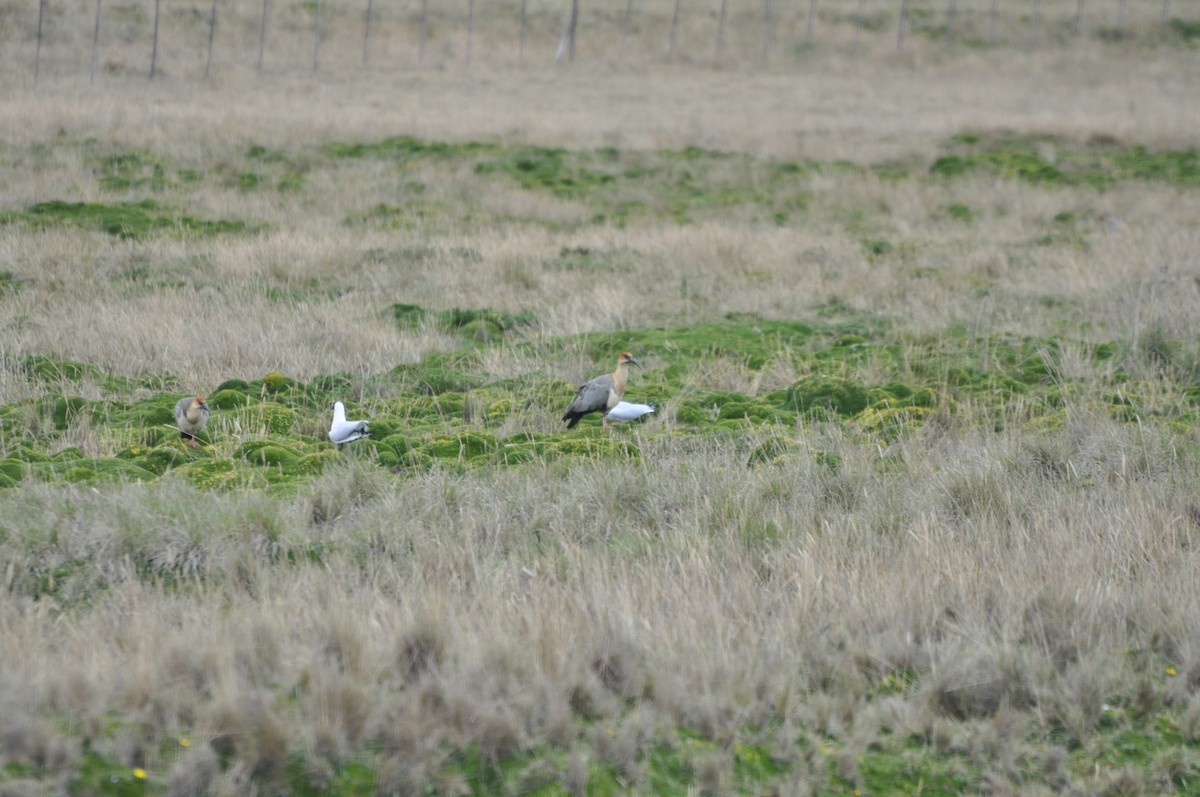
x: 620, y: 376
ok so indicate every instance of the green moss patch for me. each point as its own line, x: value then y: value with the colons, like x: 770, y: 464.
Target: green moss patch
x: 446, y: 410
x: 555, y: 170
x: 160, y: 459
x: 835, y: 395
x: 481, y: 326
x: 608, y: 185
x: 64, y: 410
x: 52, y: 371
x: 269, y: 454
x: 95, y: 469
x: 123, y: 220
x: 222, y: 474
x: 124, y: 171
x: 525, y: 448
x: 12, y: 470
x: 1187, y: 30
x: 228, y: 399
x: 773, y: 450
x: 406, y: 148
x: 438, y: 375
x: 1055, y: 161
x: 464, y: 446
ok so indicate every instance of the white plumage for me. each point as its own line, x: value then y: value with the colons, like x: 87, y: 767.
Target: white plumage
x: 344, y: 431
x: 628, y: 411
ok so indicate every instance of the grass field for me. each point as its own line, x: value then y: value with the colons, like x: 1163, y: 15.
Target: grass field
x: 917, y: 512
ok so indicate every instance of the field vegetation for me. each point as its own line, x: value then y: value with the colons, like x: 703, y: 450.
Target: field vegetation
x: 916, y: 514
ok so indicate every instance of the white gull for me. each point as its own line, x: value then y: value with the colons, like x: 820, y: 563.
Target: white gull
x: 344, y: 431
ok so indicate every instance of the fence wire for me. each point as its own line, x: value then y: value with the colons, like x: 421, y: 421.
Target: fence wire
x: 203, y: 38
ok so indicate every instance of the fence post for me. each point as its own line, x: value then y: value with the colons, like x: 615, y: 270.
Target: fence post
x: 154, y: 50
x: 808, y: 30
x: 316, y: 32
x: 521, y: 55
x: 367, y: 33
x: 1079, y: 18
x: 37, y: 55
x: 262, y: 35
x: 212, y: 29
x: 766, y: 31
x: 1166, y: 10
x: 625, y: 26
x: 951, y: 11
x: 860, y: 19
x: 900, y: 27
x: 992, y: 24
x: 1121, y: 15
x: 470, y: 29
x: 424, y: 32
x: 1033, y: 22
x: 674, y: 30
x: 95, y: 43
x: 568, y: 42
x: 721, y: 28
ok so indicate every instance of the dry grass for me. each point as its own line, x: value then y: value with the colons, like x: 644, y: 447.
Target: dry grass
x: 1028, y: 577
x: 499, y: 609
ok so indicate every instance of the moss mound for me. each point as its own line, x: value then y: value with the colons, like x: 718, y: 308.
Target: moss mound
x: 12, y: 470
x: 160, y: 459
x: 315, y: 463
x: 773, y: 451
x: 94, y: 469
x: 237, y: 385
x: 462, y: 447
x: 268, y: 453
x: 222, y: 474
x: 228, y: 399
x: 45, y: 369
x: 444, y: 411
x: 816, y: 394
x: 158, y: 410
x: 478, y: 325
x: 124, y: 220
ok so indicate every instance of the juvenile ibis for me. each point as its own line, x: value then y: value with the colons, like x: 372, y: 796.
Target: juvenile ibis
x: 191, y: 415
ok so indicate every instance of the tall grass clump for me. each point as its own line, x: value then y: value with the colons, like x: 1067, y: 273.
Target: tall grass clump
x: 502, y: 613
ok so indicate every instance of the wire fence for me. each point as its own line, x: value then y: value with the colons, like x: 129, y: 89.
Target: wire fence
x: 201, y: 37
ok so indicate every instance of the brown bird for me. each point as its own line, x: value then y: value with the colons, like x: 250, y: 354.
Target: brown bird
x: 191, y: 414
x: 600, y: 394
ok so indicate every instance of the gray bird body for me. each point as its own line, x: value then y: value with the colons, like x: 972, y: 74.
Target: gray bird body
x: 600, y: 394
x: 191, y: 416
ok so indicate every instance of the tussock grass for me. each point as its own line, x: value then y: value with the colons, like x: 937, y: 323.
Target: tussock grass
x: 512, y: 610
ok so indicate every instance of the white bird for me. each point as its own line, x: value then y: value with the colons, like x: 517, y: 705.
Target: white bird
x: 344, y: 431
x: 628, y: 411
x: 191, y: 414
